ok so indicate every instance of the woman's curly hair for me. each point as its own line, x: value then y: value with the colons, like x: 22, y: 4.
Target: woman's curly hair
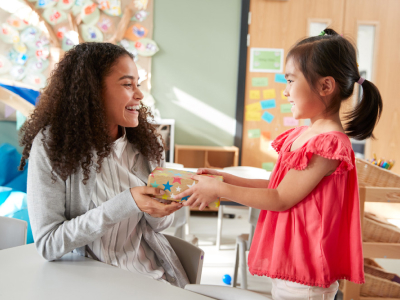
x: 71, y: 109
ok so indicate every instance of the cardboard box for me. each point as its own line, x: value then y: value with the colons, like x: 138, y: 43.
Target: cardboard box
x: 174, y: 182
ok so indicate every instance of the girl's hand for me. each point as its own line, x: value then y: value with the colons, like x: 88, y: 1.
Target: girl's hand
x: 143, y: 199
x: 202, y: 193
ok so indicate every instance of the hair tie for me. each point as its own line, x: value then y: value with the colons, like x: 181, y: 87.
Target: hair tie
x: 322, y: 32
x: 360, y: 81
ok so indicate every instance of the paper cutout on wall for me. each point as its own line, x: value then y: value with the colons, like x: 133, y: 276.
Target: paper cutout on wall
x: 35, y: 65
x: 46, y: 3
x: 280, y: 78
x: 17, y: 23
x: 42, y: 52
x: 29, y: 36
x: 255, y: 94
x: 91, y: 33
x: 111, y: 7
x: 286, y: 108
x: 140, y: 4
x: 140, y: 16
x: 5, y: 64
x: 70, y: 39
x: 8, y: 34
x: 254, y: 133
x: 259, y: 81
x: 17, y: 58
x: 267, y: 117
x: 268, y: 166
x: 266, y: 135
x: 254, y: 107
x: 90, y: 14
x: 8, y: 111
x: 54, y: 16
x: 266, y: 104
x: 17, y: 72
x: 283, y: 97
x: 130, y: 47
x: 76, y: 9
x: 146, y: 47
x: 105, y: 24
x: 289, y: 121
x: 38, y: 80
x: 65, y: 4
x: 252, y: 116
x: 136, y: 32
x: 20, y: 47
x: 269, y: 94
x: 20, y: 120
x: 265, y: 140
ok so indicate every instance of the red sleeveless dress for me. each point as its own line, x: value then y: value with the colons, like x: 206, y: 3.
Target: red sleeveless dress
x: 317, y: 241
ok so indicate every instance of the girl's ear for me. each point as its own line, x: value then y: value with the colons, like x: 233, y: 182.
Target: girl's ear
x: 326, y: 85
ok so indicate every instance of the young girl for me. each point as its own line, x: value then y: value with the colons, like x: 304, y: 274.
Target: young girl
x: 91, y: 149
x: 308, y: 234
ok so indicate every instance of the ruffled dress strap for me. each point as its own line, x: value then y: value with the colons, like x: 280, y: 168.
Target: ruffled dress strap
x: 278, y: 142
x: 331, y: 145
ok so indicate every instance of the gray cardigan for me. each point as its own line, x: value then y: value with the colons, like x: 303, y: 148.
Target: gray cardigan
x: 61, y: 220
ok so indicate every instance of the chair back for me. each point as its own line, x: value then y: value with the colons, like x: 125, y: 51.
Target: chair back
x: 190, y: 256
x: 253, y: 218
x: 12, y: 232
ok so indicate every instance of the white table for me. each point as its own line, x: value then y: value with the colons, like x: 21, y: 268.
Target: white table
x: 24, y: 274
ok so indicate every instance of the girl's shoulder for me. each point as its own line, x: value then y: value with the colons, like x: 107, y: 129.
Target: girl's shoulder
x: 331, y: 145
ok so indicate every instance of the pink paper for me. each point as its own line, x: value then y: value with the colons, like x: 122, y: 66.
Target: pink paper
x: 289, y: 121
x: 8, y: 111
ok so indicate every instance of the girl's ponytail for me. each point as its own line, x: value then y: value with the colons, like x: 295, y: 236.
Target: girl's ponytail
x: 362, y: 120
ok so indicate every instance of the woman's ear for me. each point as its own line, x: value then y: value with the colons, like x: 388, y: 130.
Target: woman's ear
x: 326, y: 85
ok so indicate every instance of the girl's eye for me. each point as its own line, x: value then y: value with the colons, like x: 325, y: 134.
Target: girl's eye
x: 138, y: 85
x: 289, y: 81
x: 127, y: 84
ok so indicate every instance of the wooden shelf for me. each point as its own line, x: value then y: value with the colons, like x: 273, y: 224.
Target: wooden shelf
x: 206, y: 156
x: 351, y: 291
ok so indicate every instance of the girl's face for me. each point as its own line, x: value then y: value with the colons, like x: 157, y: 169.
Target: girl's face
x: 122, y: 95
x: 306, y: 104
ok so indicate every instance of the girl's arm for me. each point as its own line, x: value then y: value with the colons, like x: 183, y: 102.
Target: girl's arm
x: 294, y: 187
x: 236, y: 180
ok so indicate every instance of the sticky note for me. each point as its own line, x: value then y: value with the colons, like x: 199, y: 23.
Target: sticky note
x: 20, y: 120
x: 280, y: 78
x: 254, y: 133
x: 265, y: 104
x: 266, y: 135
x: 286, y: 108
x: 259, y: 81
x: 269, y: 94
x: 255, y: 94
x: 267, y: 117
x: 289, y: 121
x: 268, y: 166
x: 252, y: 116
x: 253, y: 107
x: 283, y: 96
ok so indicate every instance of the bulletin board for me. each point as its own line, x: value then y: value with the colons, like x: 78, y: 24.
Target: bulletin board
x: 274, y: 27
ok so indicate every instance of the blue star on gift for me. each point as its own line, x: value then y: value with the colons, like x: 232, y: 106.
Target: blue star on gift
x: 154, y: 184
x: 167, y: 186
x: 185, y: 198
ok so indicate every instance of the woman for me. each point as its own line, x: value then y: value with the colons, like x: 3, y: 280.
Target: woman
x: 91, y: 150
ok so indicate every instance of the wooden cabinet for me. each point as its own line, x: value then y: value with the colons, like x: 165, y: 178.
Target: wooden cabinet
x: 206, y: 156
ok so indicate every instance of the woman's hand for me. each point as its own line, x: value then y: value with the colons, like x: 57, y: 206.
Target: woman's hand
x: 202, y: 193
x: 142, y: 196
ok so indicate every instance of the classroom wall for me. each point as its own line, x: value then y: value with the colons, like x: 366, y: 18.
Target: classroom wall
x: 9, y: 134
x: 194, y: 75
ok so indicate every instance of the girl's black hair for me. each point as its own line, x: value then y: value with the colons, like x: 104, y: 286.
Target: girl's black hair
x: 333, y: 55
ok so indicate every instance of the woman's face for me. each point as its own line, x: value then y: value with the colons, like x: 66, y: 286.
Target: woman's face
x: 122, y: 95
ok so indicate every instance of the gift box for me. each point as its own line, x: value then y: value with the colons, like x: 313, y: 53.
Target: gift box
x: 174, y: 182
